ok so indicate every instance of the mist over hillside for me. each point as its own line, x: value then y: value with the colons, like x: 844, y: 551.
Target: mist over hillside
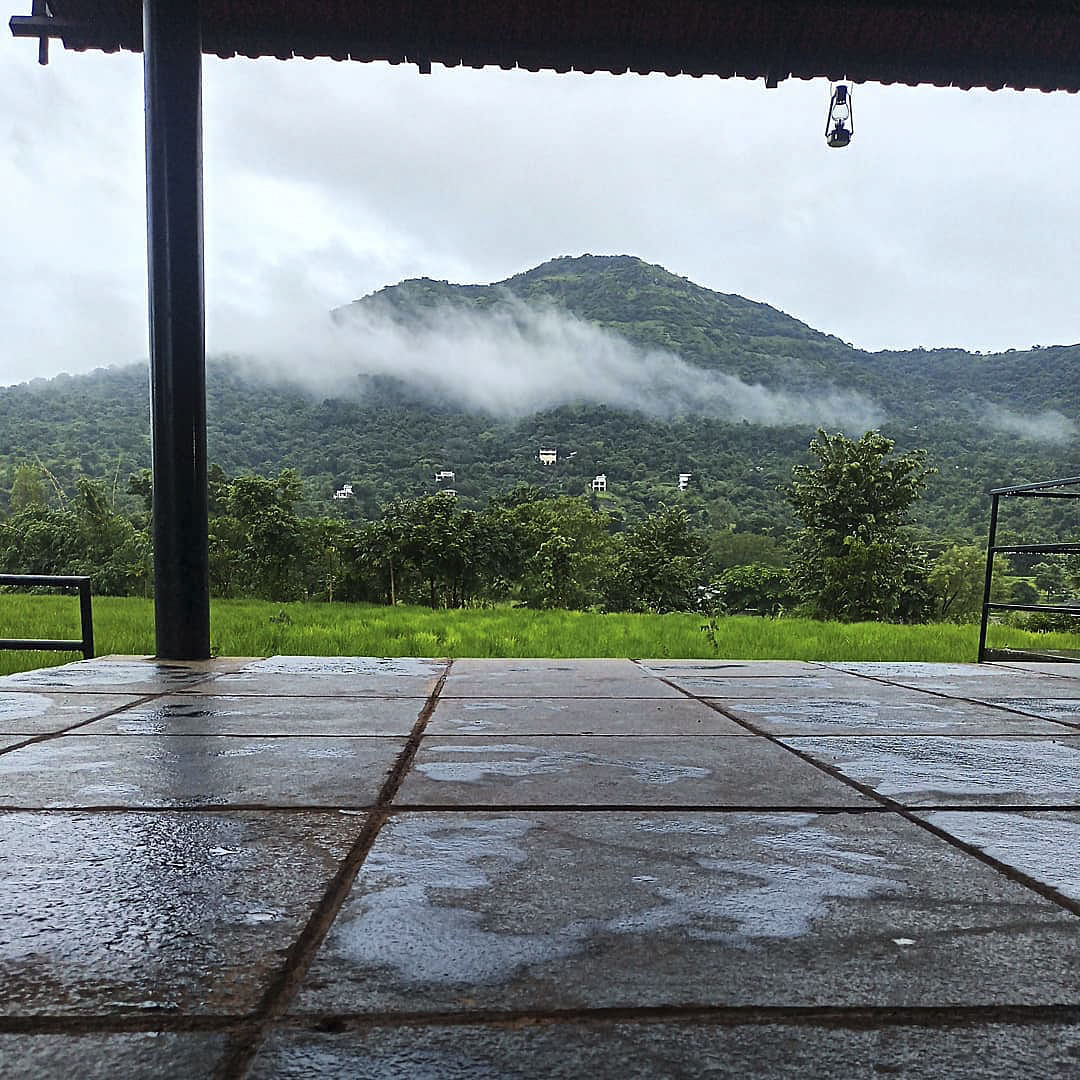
x: 637, y: 373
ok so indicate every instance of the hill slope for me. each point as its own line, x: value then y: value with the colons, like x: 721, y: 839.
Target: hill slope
x: 985, y: 419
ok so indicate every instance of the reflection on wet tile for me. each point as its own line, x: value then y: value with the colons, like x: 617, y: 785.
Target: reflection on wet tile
x: 185, y: 913
x: 732, y: 770
x: 205, y: 714
x: 111, y: 676
x: 187, y: 770
x: 553, y: 679
x: 578, y: 716
x: 669, y: 1051
x: 333, y: 676
x: 1062, y: 709
x: 910, y: 714
x: 28, y: 713
x: 959, y: 680
x: 572, y: 910
x: 1045, y: 846
x: 828, y: 687
x: 131, y: 1055
x: 921, y: 770
x: 725, y: 669
x: 1068, y: 670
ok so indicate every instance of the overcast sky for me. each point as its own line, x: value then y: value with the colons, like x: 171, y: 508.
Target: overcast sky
x: 952, y: 219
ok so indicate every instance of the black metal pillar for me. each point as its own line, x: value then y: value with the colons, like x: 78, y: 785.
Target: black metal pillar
x: 988, y: 582
x: 172, y: 42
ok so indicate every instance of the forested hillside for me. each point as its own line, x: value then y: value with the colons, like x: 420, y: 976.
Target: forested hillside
x: 985, y: 420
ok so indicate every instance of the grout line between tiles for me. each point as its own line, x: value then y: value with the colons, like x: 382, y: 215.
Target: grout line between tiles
x: 911, y: 815
x: 238, y: 1058
x: 47, y: 736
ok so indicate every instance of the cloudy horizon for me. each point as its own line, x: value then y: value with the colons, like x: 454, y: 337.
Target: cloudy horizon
x: 949, y: 221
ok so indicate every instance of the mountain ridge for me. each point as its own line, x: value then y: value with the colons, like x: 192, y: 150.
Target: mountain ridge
x: 388, y: 437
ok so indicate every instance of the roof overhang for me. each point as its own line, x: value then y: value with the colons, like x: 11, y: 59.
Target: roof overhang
x: 964, y: 43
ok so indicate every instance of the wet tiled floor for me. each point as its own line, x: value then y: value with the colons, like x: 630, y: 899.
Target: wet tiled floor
x: 351, y: 867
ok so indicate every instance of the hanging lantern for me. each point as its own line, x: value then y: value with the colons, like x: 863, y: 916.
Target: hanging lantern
x: 840, y: 123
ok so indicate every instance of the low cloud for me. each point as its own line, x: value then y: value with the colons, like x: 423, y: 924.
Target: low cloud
x: 512, y: 359
x: 1049, y: 426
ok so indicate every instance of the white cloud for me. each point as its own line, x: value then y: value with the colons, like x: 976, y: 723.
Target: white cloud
x: 949, y: 220
x: 512, y: 359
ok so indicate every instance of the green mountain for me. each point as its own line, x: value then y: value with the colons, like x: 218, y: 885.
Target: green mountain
x: 986, y: 419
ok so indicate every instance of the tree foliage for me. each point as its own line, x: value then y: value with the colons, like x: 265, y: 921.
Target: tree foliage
x: 855, y: 560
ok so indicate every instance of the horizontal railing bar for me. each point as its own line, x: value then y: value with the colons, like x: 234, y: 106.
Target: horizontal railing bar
x: 1065, y: 609
x: 1066, y: 548
x: 86, y: 614
x: 42, y: 646
x: 1041, y: 495
x: 1016, y: 489
x: 61, y: 581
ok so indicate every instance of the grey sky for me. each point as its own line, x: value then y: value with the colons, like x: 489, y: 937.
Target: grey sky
x: 951, y: 219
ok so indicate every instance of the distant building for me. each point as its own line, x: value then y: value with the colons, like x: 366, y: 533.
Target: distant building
x: 444, y: 475
x: 600, y: 482
x: 548, y: 457
x: 345, y: 492
x: 684, y: 480
x: 449, y: 491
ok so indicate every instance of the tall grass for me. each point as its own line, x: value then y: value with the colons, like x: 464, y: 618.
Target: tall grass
x: 258, y: 628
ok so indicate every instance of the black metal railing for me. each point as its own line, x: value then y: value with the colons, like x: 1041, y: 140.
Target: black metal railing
x: 86, y: 615
x: 1047, y: 489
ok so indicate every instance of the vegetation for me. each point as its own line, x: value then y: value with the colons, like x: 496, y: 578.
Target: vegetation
x: 259, y: 628
x: 387, y: 438
x: 854, y: 559
x: 776, y: 521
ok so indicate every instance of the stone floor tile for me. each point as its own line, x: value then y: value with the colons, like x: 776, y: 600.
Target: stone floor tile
x: 579, y: 716
x: 1066, y: 669
x: 114, y: 1056
x: 108, y: 676
x: 958, y: 680
x: 926, y: 770
x: 672, y: 1050
x: 28, y: 713
x: 333, y: 676
x: 182, y: 913
x: 725, y: 669
x: 732, y: 770
x: 831, y: 686
x: 910, y: 714
x: 910, y: 669
x: 206, y: 714
x: 191, y: 770
x: 1045, y: 846
x: 553, y: 678
x: 577, y: 910
x: 1062, y: 709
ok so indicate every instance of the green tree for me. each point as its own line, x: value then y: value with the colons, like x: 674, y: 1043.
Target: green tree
x: 659, y: 564
x: 855, y: 560
x: 762, y: 590
x: 958, y: 578
x: 27, y: 489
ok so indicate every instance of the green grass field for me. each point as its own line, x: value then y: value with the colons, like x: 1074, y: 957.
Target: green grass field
x: 256, y: 628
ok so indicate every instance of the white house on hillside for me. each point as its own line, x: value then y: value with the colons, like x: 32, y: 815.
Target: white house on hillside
x: 684, y: 480
x: 548, y: 457
x: 600, y: 482
x: 345, y: 492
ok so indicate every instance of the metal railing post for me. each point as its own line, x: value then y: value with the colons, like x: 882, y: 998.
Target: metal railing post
x: 86, y: 617
x: 991, y: 543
